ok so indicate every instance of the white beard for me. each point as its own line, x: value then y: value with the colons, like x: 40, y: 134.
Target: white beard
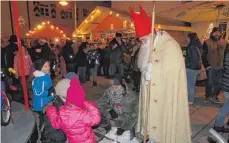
x: 144, y: 53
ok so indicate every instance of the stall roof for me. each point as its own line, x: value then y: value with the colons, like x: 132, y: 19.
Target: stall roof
x: 96, y: 21
x: 47, y: 30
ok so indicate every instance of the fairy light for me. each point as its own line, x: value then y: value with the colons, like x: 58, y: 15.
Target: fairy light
x: 117, y: 15
x: 57, y: 28
x: 63, y: 2
x: 35, y: 28
x: 43, y: 23
x: 27, y: 34
x: 97, y: 10
x: 61, y: 31
x: 30, y: 31
x: 132, y: 25
x: 48, y: 22
x: 39, y: 26
x: 111, y: 12
x: 74, y: 35
x: 57, y: 40
x: 52, y: 26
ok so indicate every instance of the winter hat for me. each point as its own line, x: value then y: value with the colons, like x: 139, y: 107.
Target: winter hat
x: 215, y: 29
x: 76, y: 94
x: 36, y: 45
x: 62, y: 88
x: 13, y: 38
x: 113, y: 42
x: 38, y: 64
x: 116, y: 80
x: 71, y: 75
x: 118, y: 35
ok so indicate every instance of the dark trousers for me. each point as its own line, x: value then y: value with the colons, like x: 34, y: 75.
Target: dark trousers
x: 213, y: 83
x: 106, y: 68
x: 88, y: 69
x: 136, y: 78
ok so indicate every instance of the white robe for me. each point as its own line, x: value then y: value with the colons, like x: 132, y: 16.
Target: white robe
x: 168, y: 110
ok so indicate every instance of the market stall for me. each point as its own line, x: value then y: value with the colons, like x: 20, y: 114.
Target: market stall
x: 48, y: 31
x: 103, y: 22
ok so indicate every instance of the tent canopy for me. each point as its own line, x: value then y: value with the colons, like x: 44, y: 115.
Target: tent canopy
x: 48, y: 31
x: 103, y: 19
x: 198, y: 11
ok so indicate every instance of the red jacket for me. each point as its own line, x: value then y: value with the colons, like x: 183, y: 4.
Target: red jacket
x: 27, y: 64
x: 76, y: 122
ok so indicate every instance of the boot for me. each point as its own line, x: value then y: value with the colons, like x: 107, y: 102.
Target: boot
x: 221, y: 129
x: 120, y: 131
x: 135, y: 88
x: 108, y: 128
x: 94, y: 83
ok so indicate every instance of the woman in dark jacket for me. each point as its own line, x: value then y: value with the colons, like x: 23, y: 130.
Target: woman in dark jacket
x: 219, y: 122
x: 82, y: 61
x: 193, y: 64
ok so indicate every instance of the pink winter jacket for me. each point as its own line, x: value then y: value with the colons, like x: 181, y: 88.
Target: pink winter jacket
x: 76, y: 122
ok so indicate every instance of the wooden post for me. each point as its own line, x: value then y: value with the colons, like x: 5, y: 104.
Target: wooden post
x: 17, y: 29
x: 149, y: 83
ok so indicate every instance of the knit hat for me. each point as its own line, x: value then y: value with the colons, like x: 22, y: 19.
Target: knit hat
x: 13, y: 38
x: 116, y: 80
x: 62, y: 88
x: 113, y: 42
x: 38, y: 64
x: 36, y: 45
x: 71, y: 75
x: 76, y: 94
x: 215, y: 29
x: 118, y: 34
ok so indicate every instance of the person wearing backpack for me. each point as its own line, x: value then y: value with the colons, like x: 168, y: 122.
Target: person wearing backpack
x: 193, y: 65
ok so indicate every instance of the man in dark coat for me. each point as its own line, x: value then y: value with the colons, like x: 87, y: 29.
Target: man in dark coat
x: 46, y: 50
x: 213, y: 55
x: 69, y: 57
x: 11, y: 50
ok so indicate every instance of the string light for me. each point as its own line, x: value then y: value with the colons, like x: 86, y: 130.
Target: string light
x: 39, y: 26
x: 30, y: 31
x: 57, y: 28
x: 61, y: 31
x: 57, y: 40
x: 74, y: 35
x: 27, y: 34
x: 43, y: 23
x: 97, y: 10
x: 63, y: 3
x: 117, y: 15
x: 111, y: 12
x: 52, y: 26
x: 132, y: 25
x: 35, y: 28
x: 48, y: 22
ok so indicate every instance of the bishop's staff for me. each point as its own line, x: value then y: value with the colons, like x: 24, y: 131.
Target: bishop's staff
x: 149, y: 84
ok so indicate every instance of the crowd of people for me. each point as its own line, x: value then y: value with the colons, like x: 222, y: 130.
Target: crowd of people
x: 46, y: 62
x: 212, y: 58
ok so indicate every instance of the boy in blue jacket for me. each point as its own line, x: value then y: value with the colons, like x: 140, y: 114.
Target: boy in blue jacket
x: 41, y: 85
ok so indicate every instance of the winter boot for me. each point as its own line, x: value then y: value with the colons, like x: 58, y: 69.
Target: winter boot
x: 120, y: 131
x: 94, y: 83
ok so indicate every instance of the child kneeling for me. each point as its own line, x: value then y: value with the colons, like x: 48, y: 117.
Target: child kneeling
x: 77, y: 116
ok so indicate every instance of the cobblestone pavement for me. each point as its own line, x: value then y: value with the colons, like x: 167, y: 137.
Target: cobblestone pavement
x: 202, y: 115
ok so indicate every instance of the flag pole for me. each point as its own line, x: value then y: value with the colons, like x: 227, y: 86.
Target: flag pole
x: 149, y: 82
x: 17, y: 29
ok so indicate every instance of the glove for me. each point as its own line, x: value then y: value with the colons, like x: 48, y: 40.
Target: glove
x: 148, y: 72
x: 113, y: 114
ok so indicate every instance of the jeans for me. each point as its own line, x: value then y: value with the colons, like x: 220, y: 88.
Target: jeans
x: 106, y: 68
x: 213, y: 83
x: 94, y: 73
x: 113, y: 68
x: 191, y: 82
x: 219, y: 122
x: 82, y: 74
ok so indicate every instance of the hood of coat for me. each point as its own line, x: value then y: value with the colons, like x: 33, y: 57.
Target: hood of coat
x: 38, y: 73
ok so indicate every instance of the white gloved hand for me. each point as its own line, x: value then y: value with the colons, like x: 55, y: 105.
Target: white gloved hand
x: 148, y: 72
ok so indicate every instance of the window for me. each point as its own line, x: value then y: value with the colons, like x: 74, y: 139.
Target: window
x: 223, y: 27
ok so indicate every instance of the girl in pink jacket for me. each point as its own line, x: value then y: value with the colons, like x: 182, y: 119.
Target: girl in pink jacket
x: 77, y: 116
